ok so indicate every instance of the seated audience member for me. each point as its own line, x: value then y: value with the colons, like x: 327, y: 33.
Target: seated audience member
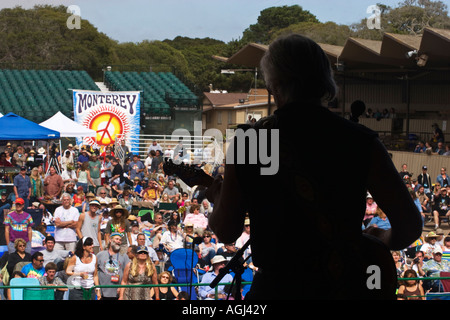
x: 196, y: 218
x: 51, y: 254
x: 208, y: 293
x: 50, y: 279
x: 380, y: 220
x: 34, y: 269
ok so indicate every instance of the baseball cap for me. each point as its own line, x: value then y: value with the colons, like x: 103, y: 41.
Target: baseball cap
x: 142, y: 249
x: 19, y: 200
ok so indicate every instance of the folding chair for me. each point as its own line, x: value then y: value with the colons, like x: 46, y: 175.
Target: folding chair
x: 183, y: 262
x: 38, y: 294
x: 17, y: 294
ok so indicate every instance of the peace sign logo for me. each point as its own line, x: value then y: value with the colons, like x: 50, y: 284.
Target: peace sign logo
x: 109, y: 123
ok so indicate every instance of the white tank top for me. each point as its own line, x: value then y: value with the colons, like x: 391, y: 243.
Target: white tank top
x: 84, y: 267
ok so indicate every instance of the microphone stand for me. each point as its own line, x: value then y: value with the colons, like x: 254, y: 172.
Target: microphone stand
x: 236, y: 265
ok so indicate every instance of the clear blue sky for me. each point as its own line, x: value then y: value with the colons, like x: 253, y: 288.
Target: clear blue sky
x: 137, y: 20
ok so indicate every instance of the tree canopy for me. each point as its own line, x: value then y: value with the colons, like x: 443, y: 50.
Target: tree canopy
x: 40, y: 36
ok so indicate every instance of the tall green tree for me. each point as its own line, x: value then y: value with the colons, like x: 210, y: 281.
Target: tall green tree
x: 41, y: 36
x: 409, y: 17
x: 273, y: 19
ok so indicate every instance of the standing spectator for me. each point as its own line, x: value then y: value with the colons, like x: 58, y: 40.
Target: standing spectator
x: 95, y: 167
x: 69, y: 175
x: 117, y: 173
x: 84, y: 176
x: 424, y: 179
x: 22, y: 186
x: 111, y: 265
x: 20, y: 157
x: 120, y: 224
x: 66, y: 219
x: 126, y: 150
x: 67, y: 160
x: 405, y: 174
x: 443, y: 179
x: 83, y: 157
x: 107, y: 168
x: 137, y: 168
x: 89, y: 225
x: 34, y: 269
x: 53, y: 184
x: 438, y: 135
x: 37, y: 186
x: 18, y: 225
x: 180, y: 153
x: 155, y: 146
x: 5, y: 203
x: 148, y: 162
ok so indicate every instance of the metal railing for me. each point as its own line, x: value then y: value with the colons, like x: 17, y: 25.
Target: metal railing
x: 87, y: 292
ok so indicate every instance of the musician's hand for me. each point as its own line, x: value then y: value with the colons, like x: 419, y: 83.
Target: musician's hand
x: 214, y: 188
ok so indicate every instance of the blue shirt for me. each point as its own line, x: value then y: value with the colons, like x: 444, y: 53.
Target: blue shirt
x: 208, y: 277
x: 23, y: 185
x: 31, y: 272
x: 82, y: 158
x: 382, y: 224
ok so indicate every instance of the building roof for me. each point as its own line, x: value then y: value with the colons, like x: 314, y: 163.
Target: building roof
x: 219, y: 99
x: 433, y: 49
x: 255, y: 97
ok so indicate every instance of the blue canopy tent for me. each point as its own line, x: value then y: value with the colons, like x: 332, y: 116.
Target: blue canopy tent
x: 14, y: 127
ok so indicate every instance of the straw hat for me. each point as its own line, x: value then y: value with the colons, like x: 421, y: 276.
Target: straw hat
x: 119, y: 208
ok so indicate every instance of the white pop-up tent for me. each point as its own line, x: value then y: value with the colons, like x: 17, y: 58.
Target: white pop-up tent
x: 67, y: 127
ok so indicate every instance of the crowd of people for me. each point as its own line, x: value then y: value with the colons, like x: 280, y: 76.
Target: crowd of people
x: 429, y: 255
x: 104, y: 223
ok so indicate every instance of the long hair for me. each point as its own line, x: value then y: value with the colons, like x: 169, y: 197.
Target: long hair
x: 85, y: 241
x: 297, y: 69
x: 134, y: 268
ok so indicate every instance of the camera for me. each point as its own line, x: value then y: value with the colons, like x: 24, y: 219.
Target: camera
x: 416, y: 260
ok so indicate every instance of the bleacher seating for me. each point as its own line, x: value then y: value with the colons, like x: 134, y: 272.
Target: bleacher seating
x: 160, y: 90
x: 38, y: 94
